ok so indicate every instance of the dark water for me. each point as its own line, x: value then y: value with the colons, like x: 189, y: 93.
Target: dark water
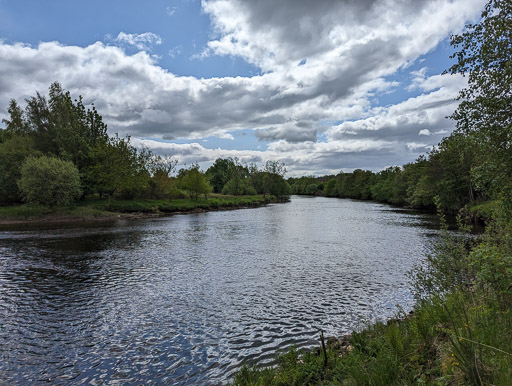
x: 187, y: 299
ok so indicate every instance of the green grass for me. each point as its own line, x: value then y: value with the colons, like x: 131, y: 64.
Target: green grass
x: 34, y: 212
x: 96, y: 208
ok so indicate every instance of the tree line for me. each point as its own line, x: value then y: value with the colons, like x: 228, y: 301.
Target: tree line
x: 452, y: 173
x: 56, y: 151
x: 473, y: 164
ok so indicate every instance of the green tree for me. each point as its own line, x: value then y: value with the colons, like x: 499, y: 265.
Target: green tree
x: 161, y: 184
x: 17, y: 123
x: 58, y: 126
x: 311, y: 189
x: 450, y: 168
x: 330, y: 188
x: 12, y: 154
x: 237, y: 187
x: 219, y: 173
x: 195, y: 182
x: 384, y: 188
x: 484, y: 54
x: 49, y: 181
x: 273, y: 179
x: 118, y: 168
x: 228, y: 170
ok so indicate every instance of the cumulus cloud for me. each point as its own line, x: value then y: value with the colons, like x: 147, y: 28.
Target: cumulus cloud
x: 403, y: 121
x: 143, y: 42
x: 301, y: 158
x: 280, y: 34
x: 346, y: 51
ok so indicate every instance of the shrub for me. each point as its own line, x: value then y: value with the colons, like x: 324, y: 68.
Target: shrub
x: 238, y: 187
x: 49, y: 181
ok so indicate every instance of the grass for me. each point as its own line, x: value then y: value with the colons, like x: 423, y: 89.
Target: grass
x: 33, y: 212
x: 182, y: 204
x: 104, y: 208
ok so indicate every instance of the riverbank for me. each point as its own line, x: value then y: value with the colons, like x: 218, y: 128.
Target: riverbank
x: 460, y: 331
x: 106, y: 210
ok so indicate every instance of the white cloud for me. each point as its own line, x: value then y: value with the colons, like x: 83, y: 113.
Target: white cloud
x: 347, y: 48
x: 143, y: 42
x: 170, y: 10
x: 405, y: 120
x: 176, y: 51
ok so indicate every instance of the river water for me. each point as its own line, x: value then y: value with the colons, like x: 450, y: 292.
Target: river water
x: 188, y: 298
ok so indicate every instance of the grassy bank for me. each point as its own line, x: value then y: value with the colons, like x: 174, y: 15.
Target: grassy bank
x: 460, y: 331
x: 104, y: 209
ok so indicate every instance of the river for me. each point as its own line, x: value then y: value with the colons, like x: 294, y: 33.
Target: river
x: 188, y: 298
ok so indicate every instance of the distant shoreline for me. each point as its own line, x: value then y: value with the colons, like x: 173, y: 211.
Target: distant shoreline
x: 105, y: 211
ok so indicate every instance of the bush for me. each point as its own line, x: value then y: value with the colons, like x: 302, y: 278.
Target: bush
x: 238, y: 187
x: 49, y: 181
x: 195, y: 183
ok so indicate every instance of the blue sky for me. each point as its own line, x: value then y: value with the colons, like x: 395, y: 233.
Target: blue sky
x: 184, y: 30
x: 330, y: 86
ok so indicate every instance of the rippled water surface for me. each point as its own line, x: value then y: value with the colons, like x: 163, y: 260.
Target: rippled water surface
x: 188, y: 298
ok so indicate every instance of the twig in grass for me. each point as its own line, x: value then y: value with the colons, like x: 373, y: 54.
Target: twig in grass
x: 485, y: 345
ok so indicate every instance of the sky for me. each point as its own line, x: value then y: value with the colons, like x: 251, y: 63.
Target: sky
x: 324, y: 86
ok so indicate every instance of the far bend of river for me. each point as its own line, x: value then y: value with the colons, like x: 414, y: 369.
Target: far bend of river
x: 188, y: 298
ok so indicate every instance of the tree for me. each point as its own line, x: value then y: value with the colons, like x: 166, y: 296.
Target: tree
x: 12, y: 154
x: 49, y: 181
x: 384, y: 187
x: 228, y: 170
x: 195, y: 182
x: 17, y: 123
x: 485, y: 112
x: 311, y: 189
x: 450, y: 168
x: 273, y: 181
x: 219, y: 173
x: 236, y: 187
x: 161, y: 183
x: 330, y: 188
x: 58, y: 126
x: 118, y: 168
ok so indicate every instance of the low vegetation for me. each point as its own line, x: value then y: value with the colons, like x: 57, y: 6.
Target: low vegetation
x: 105, y: 209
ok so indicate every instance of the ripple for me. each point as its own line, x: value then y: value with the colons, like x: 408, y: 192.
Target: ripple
x: 187, y: 299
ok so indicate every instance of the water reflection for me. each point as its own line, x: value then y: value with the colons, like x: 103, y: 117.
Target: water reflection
x: 186, y: 299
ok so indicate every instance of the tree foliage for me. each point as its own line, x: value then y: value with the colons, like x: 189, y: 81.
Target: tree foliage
x: 484, y: 55
x: 118, y: 168
x: 195, y: 182
x: 59, y: 127
x: 49, y: 181
x: 12, y: 154
x: 220, y: 173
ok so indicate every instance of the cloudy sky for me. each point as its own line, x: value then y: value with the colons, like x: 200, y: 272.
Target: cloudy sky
x: 323, y: 85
